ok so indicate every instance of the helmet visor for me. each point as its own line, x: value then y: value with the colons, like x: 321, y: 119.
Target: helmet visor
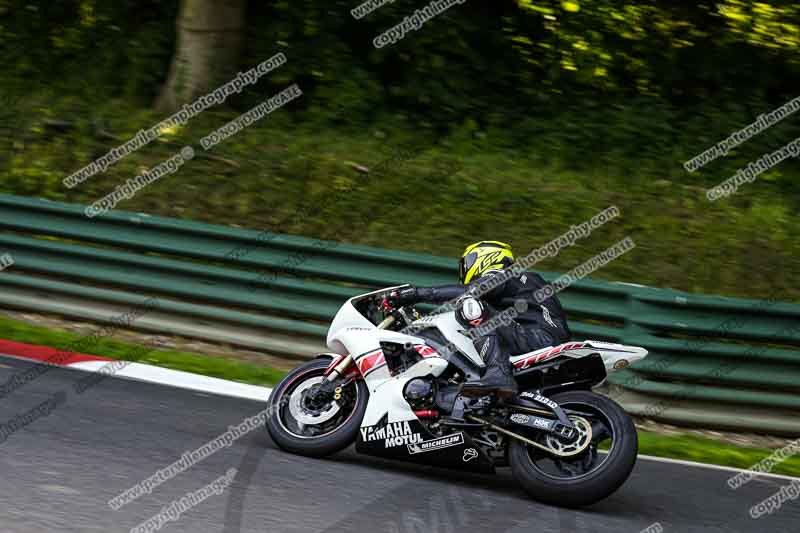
x: 467, y: 262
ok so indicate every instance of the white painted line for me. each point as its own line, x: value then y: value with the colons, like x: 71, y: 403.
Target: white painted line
x: 180, y: 379
x: 167, y: 376
x: 716, y: 467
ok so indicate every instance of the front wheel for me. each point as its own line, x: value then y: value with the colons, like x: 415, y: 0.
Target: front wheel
x: 299, y: 423
x: 590, y: 476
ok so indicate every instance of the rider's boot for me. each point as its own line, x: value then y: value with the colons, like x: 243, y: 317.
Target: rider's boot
x: 498, y: 377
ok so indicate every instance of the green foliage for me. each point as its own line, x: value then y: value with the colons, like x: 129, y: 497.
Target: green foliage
x: 537, y: 114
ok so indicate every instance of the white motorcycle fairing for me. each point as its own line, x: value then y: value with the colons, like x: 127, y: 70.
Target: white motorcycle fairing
x: 352, y: 333
x: 390, y: 426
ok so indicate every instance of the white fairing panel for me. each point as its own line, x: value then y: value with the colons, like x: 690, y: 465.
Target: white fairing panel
x: 451, y: 329
x: 347, y: 319
x: 615, y: 356
x: 352, y: 333
x: 387, y: 397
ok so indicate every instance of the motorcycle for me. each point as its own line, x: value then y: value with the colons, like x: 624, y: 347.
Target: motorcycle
x: 393, y: 382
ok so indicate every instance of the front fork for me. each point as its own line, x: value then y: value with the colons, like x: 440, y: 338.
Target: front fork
x: 338, y: 370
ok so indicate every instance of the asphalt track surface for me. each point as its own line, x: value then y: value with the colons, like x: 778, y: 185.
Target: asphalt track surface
x: 58, y: 473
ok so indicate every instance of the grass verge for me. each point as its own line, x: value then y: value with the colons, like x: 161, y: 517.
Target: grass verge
x: 189, y: 362
x: 698, y: 449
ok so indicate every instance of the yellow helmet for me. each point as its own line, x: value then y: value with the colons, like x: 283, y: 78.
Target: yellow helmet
x: 480, y: 257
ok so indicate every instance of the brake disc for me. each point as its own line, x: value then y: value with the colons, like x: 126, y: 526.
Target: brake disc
x: 577, y: 445
x: 304, y: 415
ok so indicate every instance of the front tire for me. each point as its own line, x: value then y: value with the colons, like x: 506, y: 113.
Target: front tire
x: 299, y: 428
x: 590, y: 476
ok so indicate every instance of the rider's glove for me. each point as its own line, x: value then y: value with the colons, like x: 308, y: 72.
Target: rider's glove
x: 402, y: 297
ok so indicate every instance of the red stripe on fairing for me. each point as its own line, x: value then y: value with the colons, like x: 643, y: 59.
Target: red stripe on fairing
x: 46, y: 354
x: 370, y: 361
x: 426, y: 351
x: 549, y: 354
x: 523, y: 363
x: 376, y: 359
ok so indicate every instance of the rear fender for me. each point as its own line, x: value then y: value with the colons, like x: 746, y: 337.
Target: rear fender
x: 617, y: 356
x: 564, y: 373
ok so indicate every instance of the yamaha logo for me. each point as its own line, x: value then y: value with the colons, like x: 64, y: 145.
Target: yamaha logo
x: 520, y: 419
x: 622, y: 363
x: 393, y: 434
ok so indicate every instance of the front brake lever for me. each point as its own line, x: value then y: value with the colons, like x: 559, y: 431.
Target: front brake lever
x: 386, y: 306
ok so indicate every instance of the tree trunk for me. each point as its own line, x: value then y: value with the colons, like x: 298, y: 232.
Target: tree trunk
x: 210, y: 38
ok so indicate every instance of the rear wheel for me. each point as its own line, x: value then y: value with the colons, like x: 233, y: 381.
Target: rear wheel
x: 300, y: 423
x: 589, y: 476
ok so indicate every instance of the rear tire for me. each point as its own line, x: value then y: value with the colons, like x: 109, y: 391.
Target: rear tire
x: 333, y: 440
x: 595, y: 485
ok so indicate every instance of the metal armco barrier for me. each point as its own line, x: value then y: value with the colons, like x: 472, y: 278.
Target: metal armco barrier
x: 715, y: 362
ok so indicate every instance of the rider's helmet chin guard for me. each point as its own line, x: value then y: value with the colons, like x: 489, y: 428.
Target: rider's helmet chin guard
x: 480, y: 257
